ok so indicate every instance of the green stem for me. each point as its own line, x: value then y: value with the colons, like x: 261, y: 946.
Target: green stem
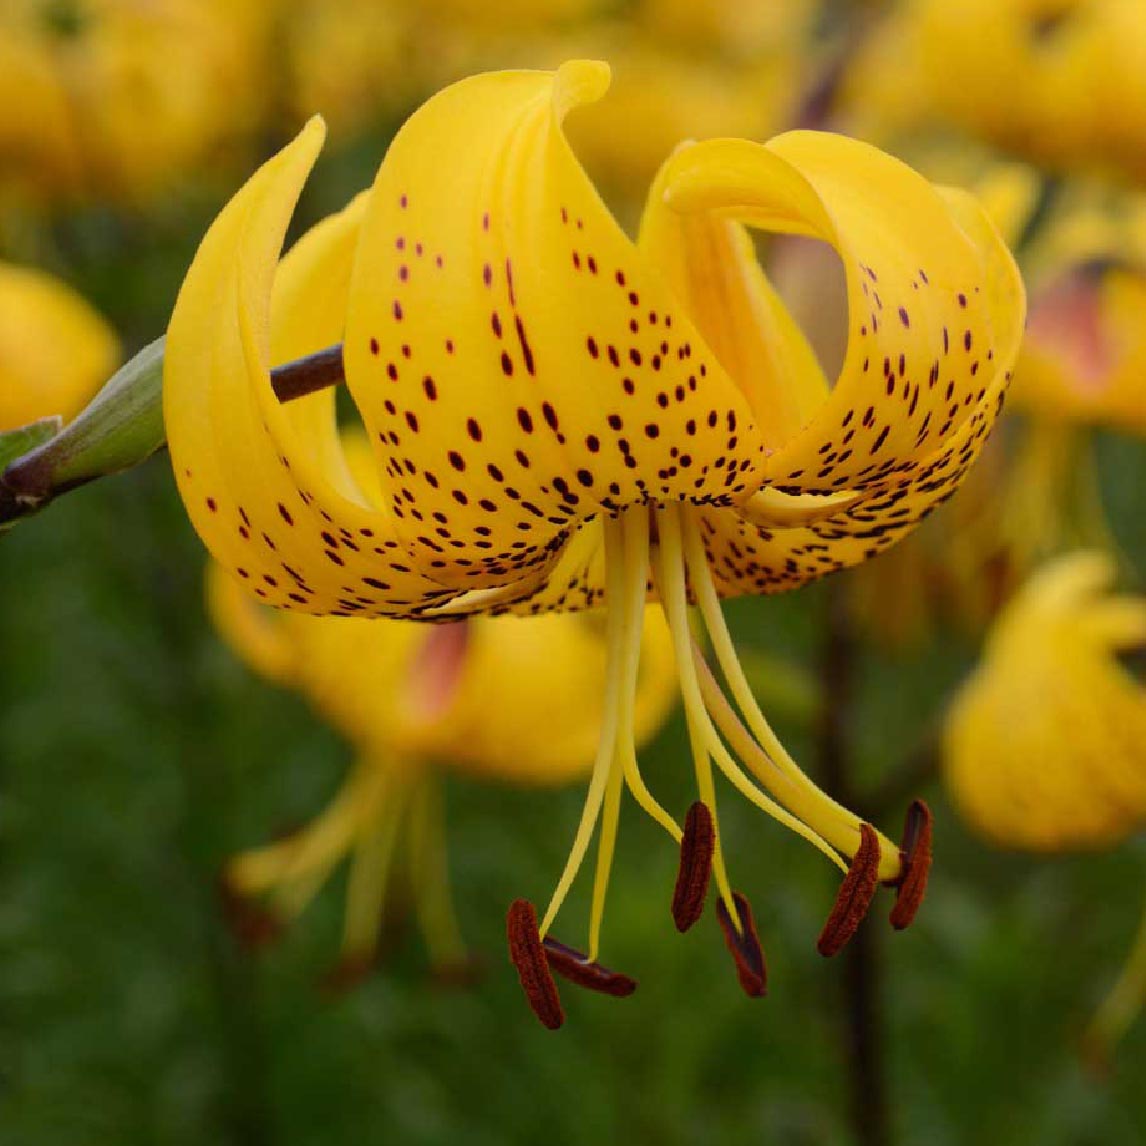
x: 863, y: 1013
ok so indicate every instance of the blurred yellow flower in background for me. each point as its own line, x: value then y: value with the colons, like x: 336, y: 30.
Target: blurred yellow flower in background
x: 516, y: 700
x: 1061, y: 82
x: 1045, y: 745
x: 55, y: 350
x: 126, y: 98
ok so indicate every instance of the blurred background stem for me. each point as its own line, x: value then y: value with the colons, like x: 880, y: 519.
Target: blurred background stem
x: 862, y: 1012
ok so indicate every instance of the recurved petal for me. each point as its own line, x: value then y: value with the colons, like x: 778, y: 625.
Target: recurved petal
x: 250, y: 471
x: 936, y: 304
x: 562, y: 376
x: 749, y: 554
x: 710, y: 263
x: 1043, y: 747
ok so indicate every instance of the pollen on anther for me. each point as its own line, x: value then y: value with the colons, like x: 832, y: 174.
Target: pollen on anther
x: 854, y: 897
x: 916, y: 851
x: 697, y: 847
x: 528, y: 956
x: 744, y: 945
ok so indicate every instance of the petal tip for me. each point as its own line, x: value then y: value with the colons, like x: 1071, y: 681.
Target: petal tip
x: 579, y: 81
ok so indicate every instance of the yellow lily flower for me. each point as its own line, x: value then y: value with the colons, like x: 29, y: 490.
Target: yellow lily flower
x: 511, y: 701
x: 1073, y: 74
x: 55, y: 350
x: 1045, y: 746
x: 1085, y: 351
x: 124, y: 97
x: 564, y: 419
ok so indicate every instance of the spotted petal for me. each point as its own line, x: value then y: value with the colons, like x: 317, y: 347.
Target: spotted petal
x: 897, y: 438
x: 254, y: 475
x: 562, y: 376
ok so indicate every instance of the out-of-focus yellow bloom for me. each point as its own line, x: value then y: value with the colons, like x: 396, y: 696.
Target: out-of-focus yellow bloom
x: 662, y: 96
x: 510, y: 15
x: 662, y: 92
x: 351, y: 62
x: 516, y: 700
x: 55, y: 350
x: 1084, y: 357
x: 1045, y: 745
x: 562, y: 417
x: 1061, y: 83
x: 125, y: 97
x: 744, y: 29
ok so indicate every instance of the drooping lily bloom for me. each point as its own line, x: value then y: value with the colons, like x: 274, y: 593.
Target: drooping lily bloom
x: 1045, y: 746
x: 55, y: 350
x: 123, y: 98
x: 1072, y: 72
x: 565, y: 419
x: 518, y: 702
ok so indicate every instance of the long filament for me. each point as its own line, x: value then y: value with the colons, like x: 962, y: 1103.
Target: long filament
x: 429, y: 868
x: 674, y: 601
x: 635, y: 566
x: 830, y: 820
x: 615, y: 634
x: 369, y: 874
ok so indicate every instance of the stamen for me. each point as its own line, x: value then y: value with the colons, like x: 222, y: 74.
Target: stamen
x: 912, y: 885
x: 764, y: 754
x: 669, y: 575
x: 429, y: 870
x: 575, y: 966
x: 855, y: 895
x: 616, y: 635
x: 348, y: 973
x: 744, y: 944
x: 532, y: 966
x: 370, y: 868
x: 696, y: 850
x: 465, y: 971
x: 248, y: 922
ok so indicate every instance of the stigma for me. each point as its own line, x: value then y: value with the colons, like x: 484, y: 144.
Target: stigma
x: 659, y: 551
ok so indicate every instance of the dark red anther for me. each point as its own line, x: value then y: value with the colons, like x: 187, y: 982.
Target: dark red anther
x: 572, y: 964
x: 697, y: 846
x: 349, y: 972
x: 251, y: 925
x: 459, y: 973
x: 528, y: 957
x: 916, y: 851
x: 854, y: 897
x: 751, y: 969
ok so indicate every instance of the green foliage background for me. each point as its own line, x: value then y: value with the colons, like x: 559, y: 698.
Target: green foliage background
x: 136, y: 755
